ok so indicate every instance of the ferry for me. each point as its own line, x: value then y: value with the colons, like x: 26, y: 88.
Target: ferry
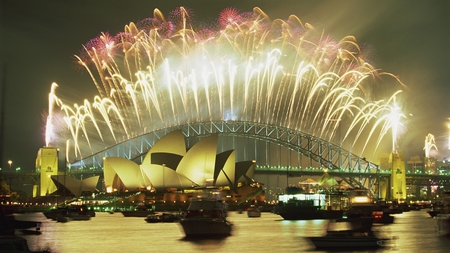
x: 206, y: 216
x: 296, y: 204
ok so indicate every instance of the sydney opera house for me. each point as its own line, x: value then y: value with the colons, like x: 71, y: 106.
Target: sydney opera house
x: 169, y: 166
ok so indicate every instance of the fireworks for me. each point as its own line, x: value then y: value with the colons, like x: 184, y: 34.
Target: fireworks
x: 429, y: 145
x: 163, y: 72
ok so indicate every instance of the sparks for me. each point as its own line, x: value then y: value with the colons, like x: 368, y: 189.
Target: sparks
x: 164, y: 72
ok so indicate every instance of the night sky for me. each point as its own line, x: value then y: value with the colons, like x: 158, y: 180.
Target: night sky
x: 410, y: 39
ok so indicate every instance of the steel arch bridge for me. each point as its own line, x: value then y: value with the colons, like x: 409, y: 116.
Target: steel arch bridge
x: 276, y: 150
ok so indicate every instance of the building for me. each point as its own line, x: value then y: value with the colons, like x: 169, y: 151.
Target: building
x: 169, y: 164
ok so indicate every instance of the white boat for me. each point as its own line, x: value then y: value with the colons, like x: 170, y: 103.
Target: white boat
x: 253, y: 211
x: 206, y: 216
x: 345, y: 235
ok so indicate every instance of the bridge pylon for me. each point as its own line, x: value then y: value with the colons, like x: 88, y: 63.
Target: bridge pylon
x: 47, y: 164
x: 398, y: 178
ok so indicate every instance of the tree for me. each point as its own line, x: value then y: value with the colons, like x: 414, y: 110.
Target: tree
x: 4, y: 188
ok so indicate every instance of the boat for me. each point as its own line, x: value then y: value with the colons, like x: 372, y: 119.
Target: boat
x: 363, y: 205
x: 378, y: 216
x: 434, y: 211
x: 297, y: 204
x: 71, y: 212
x: 206, y: 216
x: 253, y: 211
x: 347, y: 235
x: 139, y: 211
x: 295, y: 209
x: 162, y: 217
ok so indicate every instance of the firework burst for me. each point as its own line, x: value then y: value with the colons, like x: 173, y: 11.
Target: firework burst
x: 163, y: 72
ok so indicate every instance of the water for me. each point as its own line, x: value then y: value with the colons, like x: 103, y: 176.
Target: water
x: 413, y: 231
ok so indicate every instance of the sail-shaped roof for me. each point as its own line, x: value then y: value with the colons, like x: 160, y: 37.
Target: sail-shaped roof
x: 199, y: 162
x: 168, y: 164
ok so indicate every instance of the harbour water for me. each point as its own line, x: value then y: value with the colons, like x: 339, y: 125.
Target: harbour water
x: 411, y: 231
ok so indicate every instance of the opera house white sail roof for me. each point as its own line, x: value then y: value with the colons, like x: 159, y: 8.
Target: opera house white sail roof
x: 75, y: 186
x: 170, y: 164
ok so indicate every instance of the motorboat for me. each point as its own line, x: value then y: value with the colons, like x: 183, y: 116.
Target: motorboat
x: 253, y: 211
x: 433, y: 212
x: 436, y: 209
x: 206, y: 216
x: 363, y: 205
x: 162, y: 217
x: 346, y: 235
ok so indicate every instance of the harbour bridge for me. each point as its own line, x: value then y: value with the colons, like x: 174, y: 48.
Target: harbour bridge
x: 282, y: 156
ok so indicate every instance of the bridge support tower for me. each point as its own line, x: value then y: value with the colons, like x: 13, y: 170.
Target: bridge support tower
x: 47, y: 165
x: 398, y: 177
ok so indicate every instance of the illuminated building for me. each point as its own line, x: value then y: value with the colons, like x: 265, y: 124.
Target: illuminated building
x: 73, y: 186
x: 169, y: 165
x: 50, y: 181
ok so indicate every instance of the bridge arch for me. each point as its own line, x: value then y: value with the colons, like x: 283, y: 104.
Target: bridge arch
x: 269, y: 145
x: 277, y: 150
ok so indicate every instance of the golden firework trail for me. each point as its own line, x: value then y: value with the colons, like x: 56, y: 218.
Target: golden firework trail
x: 161, y: 72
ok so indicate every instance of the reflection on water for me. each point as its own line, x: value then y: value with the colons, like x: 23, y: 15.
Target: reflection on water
x: 414, y: 231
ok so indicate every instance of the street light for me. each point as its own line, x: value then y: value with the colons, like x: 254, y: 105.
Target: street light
x: 10, y: 176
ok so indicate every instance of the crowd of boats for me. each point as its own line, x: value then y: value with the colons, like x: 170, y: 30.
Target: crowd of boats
x: 350, y: 223
x: 351, y: 216
x: 296, y: 204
